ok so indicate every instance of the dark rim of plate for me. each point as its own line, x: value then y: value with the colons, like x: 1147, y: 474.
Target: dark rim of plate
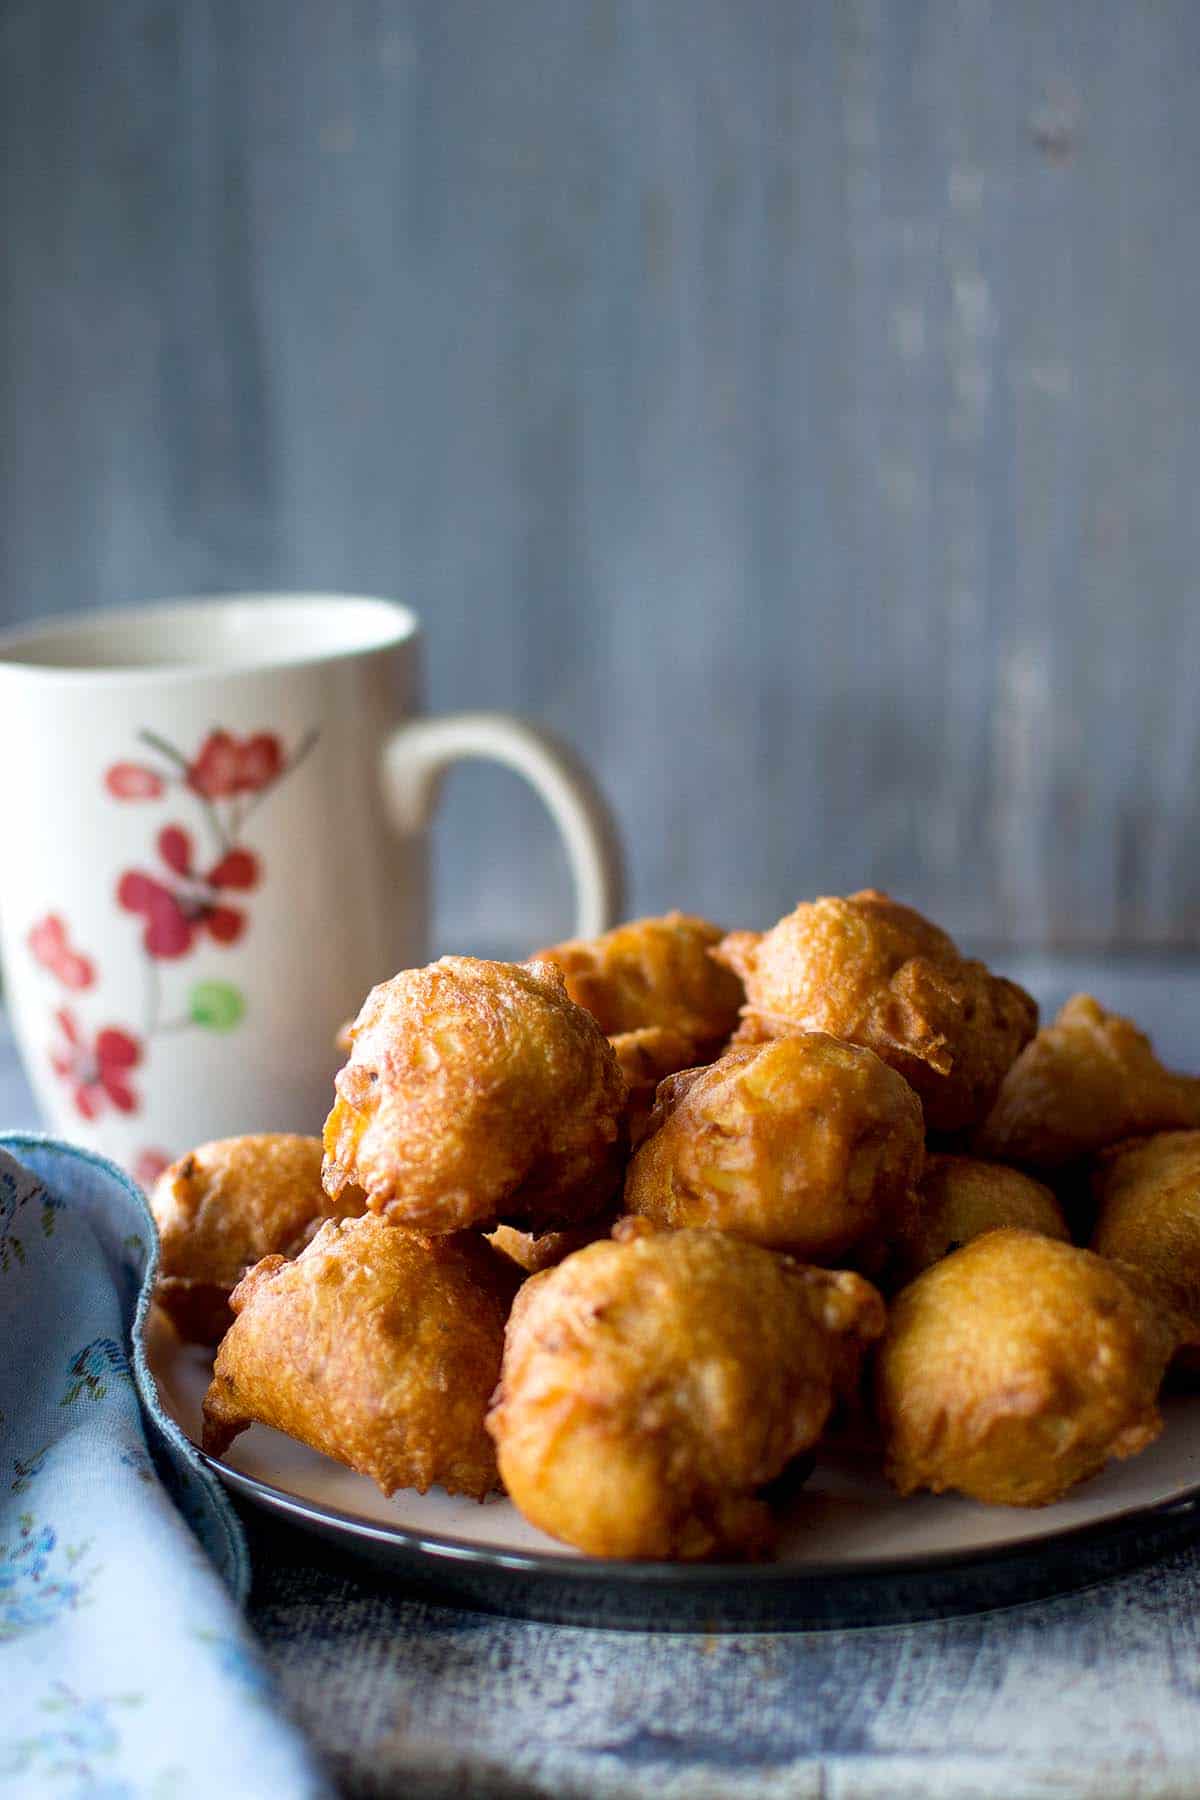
x: 588, y: 1568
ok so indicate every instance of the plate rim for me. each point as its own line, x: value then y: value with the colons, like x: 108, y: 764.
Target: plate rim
x: 579, y: 1569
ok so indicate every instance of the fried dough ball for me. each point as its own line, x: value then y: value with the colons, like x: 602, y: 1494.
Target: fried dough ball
x: 1015, y: 1368
x: 1148, y: 1219
x: 1089, y: 1079
x: 477, y: 1092
x: 378, y: 1347
x: 223, y: 1207
x: 656, y: 991
x: 959, y: 1198
x: 876, y: 973
x: 654, y: 972
x: 802, y: 1144
x: 651, y: 1386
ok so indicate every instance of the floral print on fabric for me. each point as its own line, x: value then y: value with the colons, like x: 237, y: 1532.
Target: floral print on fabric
x: 17, y: 1197
x: 38, y: 1579
x: 25, y: 1469
x: 116, y: 1631
x: 76, y: 1746
x: 93, y: 1369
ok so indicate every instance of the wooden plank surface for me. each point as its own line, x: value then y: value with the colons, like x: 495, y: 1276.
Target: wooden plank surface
x: 1092, y: 1697
x: 797, y: 406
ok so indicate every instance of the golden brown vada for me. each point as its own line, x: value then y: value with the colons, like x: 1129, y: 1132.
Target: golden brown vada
x: 477, y: 1093
x: 651, y: 1386
x: 1016, y: 1367
x: 654, y: 973
x: 378, y: 1347
x: 876, y: 973
x: 663, y: 1001
x: 1089, y: 1079
x: 1148, y: 1218
x: 957, y: 1199
x: 802, y: 1144
x: 222, y: 1207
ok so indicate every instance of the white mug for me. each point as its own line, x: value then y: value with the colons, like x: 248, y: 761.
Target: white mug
x: 212, y: 843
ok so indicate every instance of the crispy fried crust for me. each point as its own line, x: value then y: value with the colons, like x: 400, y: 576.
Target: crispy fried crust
x: 477, y: 1092
x: 650, y: 1387
x: 1089, y: 1079
x: 958, y: 1198
x: 876, y: 973
x: 802, y: 1144
x: 1148, y: 1218
x: 1015, y: 1368
x: 223, y: 1207
x: 663, y: 1000
x: 654, y: 973
x: 378, y: 1347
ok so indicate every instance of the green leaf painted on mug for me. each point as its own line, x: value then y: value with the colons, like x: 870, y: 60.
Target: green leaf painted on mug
x: 217, y: 1005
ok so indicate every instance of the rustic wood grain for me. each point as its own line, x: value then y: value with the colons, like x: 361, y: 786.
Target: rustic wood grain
x: 1085, y: 1698
x: 796, y: 405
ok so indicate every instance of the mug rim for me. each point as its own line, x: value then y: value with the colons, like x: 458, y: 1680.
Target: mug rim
x: 20, y: 645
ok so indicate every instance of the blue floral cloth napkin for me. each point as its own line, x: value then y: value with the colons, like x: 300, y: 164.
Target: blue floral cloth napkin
x: 125, y: 1667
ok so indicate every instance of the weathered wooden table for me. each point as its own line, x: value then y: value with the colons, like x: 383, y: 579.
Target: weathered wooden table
x: 1097, y: 1694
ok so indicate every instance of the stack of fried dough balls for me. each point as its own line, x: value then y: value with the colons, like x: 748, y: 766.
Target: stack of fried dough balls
x: 630, y: 1229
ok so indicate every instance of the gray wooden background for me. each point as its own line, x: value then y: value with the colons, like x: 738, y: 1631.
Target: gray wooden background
x: 797, y: 405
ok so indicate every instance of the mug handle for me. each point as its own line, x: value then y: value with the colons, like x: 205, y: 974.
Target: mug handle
x: 418, y: 754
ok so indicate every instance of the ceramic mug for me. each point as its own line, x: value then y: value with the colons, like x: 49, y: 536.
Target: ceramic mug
x: 213, y: 842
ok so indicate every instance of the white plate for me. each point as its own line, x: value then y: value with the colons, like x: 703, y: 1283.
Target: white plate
x: 849, y: 1548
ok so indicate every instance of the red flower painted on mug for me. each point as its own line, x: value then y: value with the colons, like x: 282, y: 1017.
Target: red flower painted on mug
x: 149, y: 1166
x: 188, y: 904
x: 98, y: 1072
x: 227, y: 765
x: 133, y: 781
x: 50, y: 944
